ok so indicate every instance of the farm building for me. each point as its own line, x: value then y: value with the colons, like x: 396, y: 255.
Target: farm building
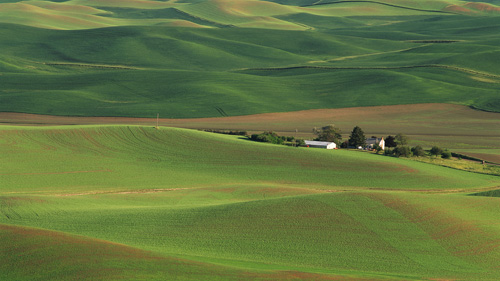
x: 321, y: 144
x: 370, y: 143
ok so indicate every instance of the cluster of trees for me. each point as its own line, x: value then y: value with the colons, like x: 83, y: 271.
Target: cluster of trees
x: 331, y: 133
x: 436, y: 151
x: 394, y: 145
x: 417, y: 151
x: 398, y: 140
x: 274, y: 138
x: 357, y: 137
x: 398, y: 146
x: 328, y: 133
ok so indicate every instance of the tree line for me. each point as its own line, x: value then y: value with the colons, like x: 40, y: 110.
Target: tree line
x: 395, y: 145
x: 274, y: 138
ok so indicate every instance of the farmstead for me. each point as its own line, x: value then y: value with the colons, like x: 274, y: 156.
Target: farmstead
x: 371, y: 142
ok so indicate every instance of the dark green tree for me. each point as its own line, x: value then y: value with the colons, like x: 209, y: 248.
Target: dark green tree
x: 329, y: 133
x: 357, y: 137
x: 390, y: 141
x: 271, y: 137
x: 418, y: 151
x: 402, y: 151
x: 344, y: 144
x: 401, y: 139
x: 446, y: 155
x: 436, y: 151
x: 300, y: 142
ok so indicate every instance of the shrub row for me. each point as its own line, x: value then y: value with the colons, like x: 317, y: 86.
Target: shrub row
x: 272, y: 137
x: 227, y: 132
x: 417, y: 151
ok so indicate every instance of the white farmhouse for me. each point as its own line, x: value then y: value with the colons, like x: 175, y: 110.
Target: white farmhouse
x: 321, y: 144
x: 370, y: 143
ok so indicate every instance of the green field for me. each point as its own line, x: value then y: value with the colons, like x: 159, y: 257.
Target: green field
x: 189, y: 59
x: 117, y: 199
x: 140, y: 203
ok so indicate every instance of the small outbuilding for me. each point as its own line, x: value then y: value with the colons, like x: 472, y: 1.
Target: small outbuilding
x: 321, y: 144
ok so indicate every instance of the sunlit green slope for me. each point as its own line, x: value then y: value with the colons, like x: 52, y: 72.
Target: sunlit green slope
x: 83, y: 14
x: 136, y: 202
x: 124, y: 158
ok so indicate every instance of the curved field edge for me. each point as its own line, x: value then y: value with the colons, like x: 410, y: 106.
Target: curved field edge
x: 27, y: 252
x: 109, y: 158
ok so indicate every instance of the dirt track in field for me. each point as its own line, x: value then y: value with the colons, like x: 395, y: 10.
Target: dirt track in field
x: 59, y: 173
x: 144, y: 191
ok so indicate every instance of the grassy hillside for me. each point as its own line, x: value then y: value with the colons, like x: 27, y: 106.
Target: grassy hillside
x: 108, y: 158
x: 69, y: 257
x: 174, y: 202
x: 139, y: 203
x: 139, y: 58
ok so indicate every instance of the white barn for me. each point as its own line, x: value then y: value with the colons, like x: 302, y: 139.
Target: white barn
x: 321, y: 144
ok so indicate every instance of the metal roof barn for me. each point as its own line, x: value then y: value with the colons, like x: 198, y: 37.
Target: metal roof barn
x: 321, y: 144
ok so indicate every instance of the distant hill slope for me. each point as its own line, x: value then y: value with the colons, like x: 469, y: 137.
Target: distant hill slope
x: 83, y: 14
x: 187, y: 58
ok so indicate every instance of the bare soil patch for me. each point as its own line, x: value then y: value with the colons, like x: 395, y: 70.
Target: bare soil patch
x: 458, y: 9
x: 277, y: 121
x: 494, y: 158
x: 483, y: 7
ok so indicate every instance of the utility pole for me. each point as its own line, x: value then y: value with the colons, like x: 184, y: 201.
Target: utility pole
x: 157, y: 120
x: 295, y: 138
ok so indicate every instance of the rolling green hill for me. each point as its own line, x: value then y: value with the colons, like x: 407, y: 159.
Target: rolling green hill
x: 136, y: 202
x: 122, y: 150
x: 139, y: 203
x: 185, y: 59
